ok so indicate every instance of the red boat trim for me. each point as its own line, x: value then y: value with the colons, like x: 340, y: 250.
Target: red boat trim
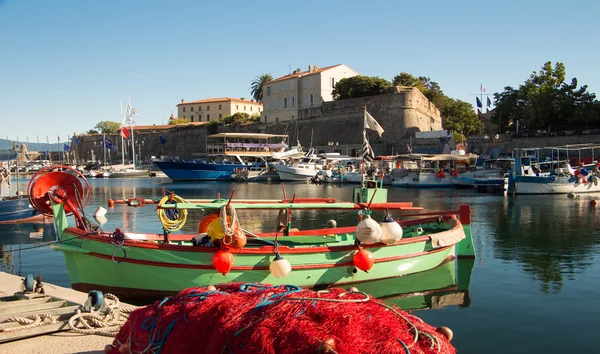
x: 269, y: 249
x: 243, y: 268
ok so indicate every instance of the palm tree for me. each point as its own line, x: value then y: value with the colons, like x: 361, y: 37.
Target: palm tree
x: 256, y: 90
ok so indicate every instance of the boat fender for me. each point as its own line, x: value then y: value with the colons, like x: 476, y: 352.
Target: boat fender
x: 368, y: 231
x: 454, y: 173
x: 206, y: 220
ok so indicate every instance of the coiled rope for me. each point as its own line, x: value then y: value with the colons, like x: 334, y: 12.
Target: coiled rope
x: 108, y: 323
x: 171, y: 219
x: 229, y: 226
x: 29, y: 322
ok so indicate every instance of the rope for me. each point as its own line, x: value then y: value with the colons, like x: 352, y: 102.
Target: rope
x: 171, y: 219
x: 107, y: 324
x: 29, y: 322
x: 228, y: 226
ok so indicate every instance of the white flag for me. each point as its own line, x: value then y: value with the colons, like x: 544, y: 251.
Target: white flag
x: 371, y: 123
x: 129, y: 116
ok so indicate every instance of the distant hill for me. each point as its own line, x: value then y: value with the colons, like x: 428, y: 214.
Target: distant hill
x: 31, y: 146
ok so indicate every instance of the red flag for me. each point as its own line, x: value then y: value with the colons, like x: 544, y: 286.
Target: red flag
x: 478, y: 113
x: 125, y: 133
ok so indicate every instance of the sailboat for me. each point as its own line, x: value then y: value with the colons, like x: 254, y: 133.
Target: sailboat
x: 123, y: 170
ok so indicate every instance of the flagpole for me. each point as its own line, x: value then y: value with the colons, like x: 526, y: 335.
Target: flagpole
x: 122, y: 138
x: 49, y: 152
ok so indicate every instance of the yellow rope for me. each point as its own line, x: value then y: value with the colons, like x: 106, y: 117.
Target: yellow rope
x: 168, y: 224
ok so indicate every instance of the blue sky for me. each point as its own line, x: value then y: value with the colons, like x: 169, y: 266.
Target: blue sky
x: 65, y: 64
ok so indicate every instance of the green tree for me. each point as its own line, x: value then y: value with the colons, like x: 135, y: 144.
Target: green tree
x: 256, y: 88
x: 92, y: 131
x: 238, y: 118
x: 459, y: 117
x: 360, y: 86
x: 108, y: 127
x: 545, y: 99
x: 177, y: 121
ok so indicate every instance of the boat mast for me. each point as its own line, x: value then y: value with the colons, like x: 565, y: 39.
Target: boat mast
x: 130, y: 117
x: 104, y: 140
x: 122, y: 138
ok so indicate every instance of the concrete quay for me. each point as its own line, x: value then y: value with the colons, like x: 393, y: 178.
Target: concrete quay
x: 59, y: 342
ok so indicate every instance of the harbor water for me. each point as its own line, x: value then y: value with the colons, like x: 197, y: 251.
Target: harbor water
x: 534, y: 282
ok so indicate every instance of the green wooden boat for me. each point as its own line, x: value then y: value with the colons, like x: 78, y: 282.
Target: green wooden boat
x: 146, y: 265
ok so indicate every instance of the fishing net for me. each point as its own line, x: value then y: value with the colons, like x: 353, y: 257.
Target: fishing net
x: 258, y: 318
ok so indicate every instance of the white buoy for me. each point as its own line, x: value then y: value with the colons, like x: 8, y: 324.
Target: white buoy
x: 391, y: 231
x: 101, y: 219
x: 331, y: 224
x: 368, y: 231
x: 100, y: 212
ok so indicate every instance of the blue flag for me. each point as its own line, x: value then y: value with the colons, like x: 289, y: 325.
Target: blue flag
x: 108, y: 145
x: 76, y: 140
x: 65, y: 147
x: 163, y: 140
x: 478, y: 102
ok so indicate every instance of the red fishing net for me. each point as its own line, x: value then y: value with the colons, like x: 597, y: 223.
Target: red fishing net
x: 258, y: 318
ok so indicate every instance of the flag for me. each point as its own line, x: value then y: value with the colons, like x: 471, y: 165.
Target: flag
x: 489, y: 102
x: 130, y: 113
x: 163, y: 140
x: 478, y: 113
x: 478, y: 102
x: 108, y: 145
x: 172, y: 116
x: 125, y: 133
x: 65, y: 147
x: 58, y: 138
x: 76, y: 140
x: 371, y: 123
x: 46, y: 154
x: 482, y: 88
x: 367, y: 154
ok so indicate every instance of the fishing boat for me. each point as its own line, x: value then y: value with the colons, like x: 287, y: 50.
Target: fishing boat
x: 235, y: 155
x: 433, y: 170
x: 134, y: 264
x: 551, y: 172
x: 494, y: 174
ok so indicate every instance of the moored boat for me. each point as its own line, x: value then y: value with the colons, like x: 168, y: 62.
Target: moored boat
x: 236, y: 155
x: 140, y: 264
x: 434, y: 170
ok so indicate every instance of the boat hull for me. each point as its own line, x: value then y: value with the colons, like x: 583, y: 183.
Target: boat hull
x: 190, y: 171
x: 287, y: 174
x: 552, y: 185
x: 424, y: 180
x: 17, y: 210
x: 130, y: 278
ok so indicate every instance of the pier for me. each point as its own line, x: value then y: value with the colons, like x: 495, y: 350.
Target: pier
x: 61, y: 340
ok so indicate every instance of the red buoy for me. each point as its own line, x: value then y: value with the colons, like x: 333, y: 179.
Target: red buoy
x: 223, y: 261
x: 363, y: 260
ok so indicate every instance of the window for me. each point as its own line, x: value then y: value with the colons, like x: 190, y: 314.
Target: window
x: 184, y: 109
x: 250, y: 108
x: 200, y: 118
x: 276, y: 88
x: 266, y: 106
x: 312, y: 99
x: 192, y: 109
x: 265, y: 119
x: 208, y: 108
x: 192, y: 118
x: 268, y: 90
x: 292, y: 84
x: 220, y: 115
x: 284, y: 87
x: 285, y: 102
x: 207, y: 117
x: 237, y: 107
x: 276, y: 104
x: 303, y: 83
x: 183, y: 117
x: 293, y: 101
x: 219, y: 107
x: 333, y: 82
x: 244, y: 108
x: 310, y: 82
x: 276, y: 120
